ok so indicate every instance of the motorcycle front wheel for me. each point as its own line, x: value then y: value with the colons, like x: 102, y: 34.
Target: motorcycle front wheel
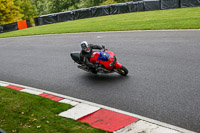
x: 123, y: 71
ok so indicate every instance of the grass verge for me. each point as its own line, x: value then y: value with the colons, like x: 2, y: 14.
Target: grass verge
x: 27, y: 113
x: 182, y: 18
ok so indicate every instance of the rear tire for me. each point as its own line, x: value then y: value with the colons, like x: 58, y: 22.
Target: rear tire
x: 123, y: 71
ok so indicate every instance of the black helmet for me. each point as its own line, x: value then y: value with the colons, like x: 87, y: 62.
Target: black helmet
x: 85, y: 46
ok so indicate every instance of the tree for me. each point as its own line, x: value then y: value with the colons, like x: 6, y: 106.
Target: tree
x: 122, y: 1
x: 108, y: 2
x: 9, y: 12
x: 61, y: 5
x: 90, y: 3
x: 42, y: 6
x: 27, y: 8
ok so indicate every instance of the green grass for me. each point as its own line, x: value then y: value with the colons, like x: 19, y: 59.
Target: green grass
x: 26, y: 113
x: 182, y: 18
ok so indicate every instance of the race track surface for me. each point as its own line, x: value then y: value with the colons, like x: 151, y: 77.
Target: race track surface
x: 164, y: 71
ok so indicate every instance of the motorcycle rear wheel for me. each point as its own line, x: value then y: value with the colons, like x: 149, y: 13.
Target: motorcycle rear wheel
x: 123, y: 71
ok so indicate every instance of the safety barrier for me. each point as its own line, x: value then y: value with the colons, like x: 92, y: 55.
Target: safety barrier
x: 15, y: 26
x: 119, y: 8
x: 170, y: 4
x: 190, y: 3
x: 151, y: 5
x: 132, y: 6
x: 100, y: 11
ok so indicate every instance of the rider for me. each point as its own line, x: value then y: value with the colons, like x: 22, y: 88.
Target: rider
x: 86, y: 53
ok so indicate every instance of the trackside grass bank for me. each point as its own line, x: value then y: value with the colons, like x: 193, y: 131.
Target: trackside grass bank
x: 182, y: 18
x: 26, y: 113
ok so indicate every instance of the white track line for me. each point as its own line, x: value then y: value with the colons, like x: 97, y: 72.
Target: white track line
x: 104, y: 32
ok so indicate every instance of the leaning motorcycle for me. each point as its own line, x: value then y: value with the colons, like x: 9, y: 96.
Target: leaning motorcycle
x: 104, y: 61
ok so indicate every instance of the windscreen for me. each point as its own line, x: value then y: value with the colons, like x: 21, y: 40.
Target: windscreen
x: 104, y: 56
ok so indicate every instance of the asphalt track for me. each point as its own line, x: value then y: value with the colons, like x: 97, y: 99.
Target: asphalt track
x: 164, y: 71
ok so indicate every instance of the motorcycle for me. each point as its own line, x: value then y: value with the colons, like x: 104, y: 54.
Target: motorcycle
x: 104, y: 62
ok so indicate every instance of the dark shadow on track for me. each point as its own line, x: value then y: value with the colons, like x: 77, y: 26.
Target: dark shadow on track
x: 104, y: 78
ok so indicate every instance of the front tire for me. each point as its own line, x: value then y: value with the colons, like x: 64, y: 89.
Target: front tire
x: 123, y: 71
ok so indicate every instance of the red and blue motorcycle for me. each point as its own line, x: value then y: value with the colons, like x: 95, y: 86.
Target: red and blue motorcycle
x: 104, y: 61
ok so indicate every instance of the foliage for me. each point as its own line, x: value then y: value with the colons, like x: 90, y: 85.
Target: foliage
x: 42, y: 6
x: 54, y: 6
x: 61, y: 5
x: 15, y: 10
x: 9, y: 12
x: 90, y: 3
x: 27, y: 8
x: 85, y: 4
x: 107, y: 2
x: 27, y: 113
x: 122, y: 1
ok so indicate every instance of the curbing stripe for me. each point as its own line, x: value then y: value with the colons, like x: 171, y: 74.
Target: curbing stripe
x: 108, y: 120
x: 3, y: 85
x: 57, y: 98
x: 15, y: 87
x: 79, y: 111
x: 182, y: 130
x: 145, y: 127
x: 52, y: 97
x: 32, y: 91
x: 73, y: 103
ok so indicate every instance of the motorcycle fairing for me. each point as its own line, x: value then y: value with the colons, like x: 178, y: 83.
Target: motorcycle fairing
x: 104, y: 56
x: 110, y: 62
